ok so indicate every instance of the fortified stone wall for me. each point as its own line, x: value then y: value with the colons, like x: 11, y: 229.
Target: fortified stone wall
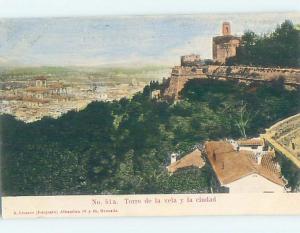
x: 267, y: 74
x: 191, y: 60
x: 181, y: 74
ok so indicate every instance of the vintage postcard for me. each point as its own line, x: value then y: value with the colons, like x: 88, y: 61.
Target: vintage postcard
x: 155, y: 115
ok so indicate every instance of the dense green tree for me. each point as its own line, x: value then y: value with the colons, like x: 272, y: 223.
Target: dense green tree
x: 124, y: 146
x: 280, y: 48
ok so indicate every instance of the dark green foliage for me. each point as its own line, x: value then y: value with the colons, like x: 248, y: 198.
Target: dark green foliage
x: 280, y: 48
x: 123, y: 146
x: 290, y: 172
x: 263, y: 104
x: 191, y: 180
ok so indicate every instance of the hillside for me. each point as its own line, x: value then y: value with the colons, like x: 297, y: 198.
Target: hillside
x: 122, y: 147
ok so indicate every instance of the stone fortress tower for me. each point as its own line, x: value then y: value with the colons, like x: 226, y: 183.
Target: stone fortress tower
x: 224, y: 46
x: 226, y: 30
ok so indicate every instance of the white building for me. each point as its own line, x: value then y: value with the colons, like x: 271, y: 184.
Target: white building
x: 254, y: 183
x: 253, y: 144
x: 245, y: 171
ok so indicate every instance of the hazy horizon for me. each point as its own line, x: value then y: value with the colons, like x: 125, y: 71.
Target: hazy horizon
x: 122, y: 40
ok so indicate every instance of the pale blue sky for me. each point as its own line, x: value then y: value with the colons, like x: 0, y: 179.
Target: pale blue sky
x: 110, y: 40
x: 30, y: 8
x: 122, y: 40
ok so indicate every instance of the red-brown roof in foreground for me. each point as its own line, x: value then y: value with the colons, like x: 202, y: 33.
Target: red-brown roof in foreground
x: 194, y: 159
x: 230, y: 165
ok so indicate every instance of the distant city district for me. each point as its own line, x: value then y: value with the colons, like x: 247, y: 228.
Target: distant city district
x: 33, y: 99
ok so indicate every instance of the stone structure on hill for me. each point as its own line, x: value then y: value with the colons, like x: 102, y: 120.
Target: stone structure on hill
x: 224, y: 46
x: 181, y: 74
x: 191, y: 60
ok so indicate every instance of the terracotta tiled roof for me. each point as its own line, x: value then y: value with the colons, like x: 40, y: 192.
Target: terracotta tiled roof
x: 193, y: 159
x: 251, y: 142
x: 230, y: 165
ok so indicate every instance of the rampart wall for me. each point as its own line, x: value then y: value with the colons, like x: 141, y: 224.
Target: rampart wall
x: 181, y: 74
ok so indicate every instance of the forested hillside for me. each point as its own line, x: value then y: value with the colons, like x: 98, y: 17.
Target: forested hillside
x: 123, y: 146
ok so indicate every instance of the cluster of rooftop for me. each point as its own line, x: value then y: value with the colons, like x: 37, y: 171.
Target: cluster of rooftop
x: 36, y: 98
x: 244, y: 166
